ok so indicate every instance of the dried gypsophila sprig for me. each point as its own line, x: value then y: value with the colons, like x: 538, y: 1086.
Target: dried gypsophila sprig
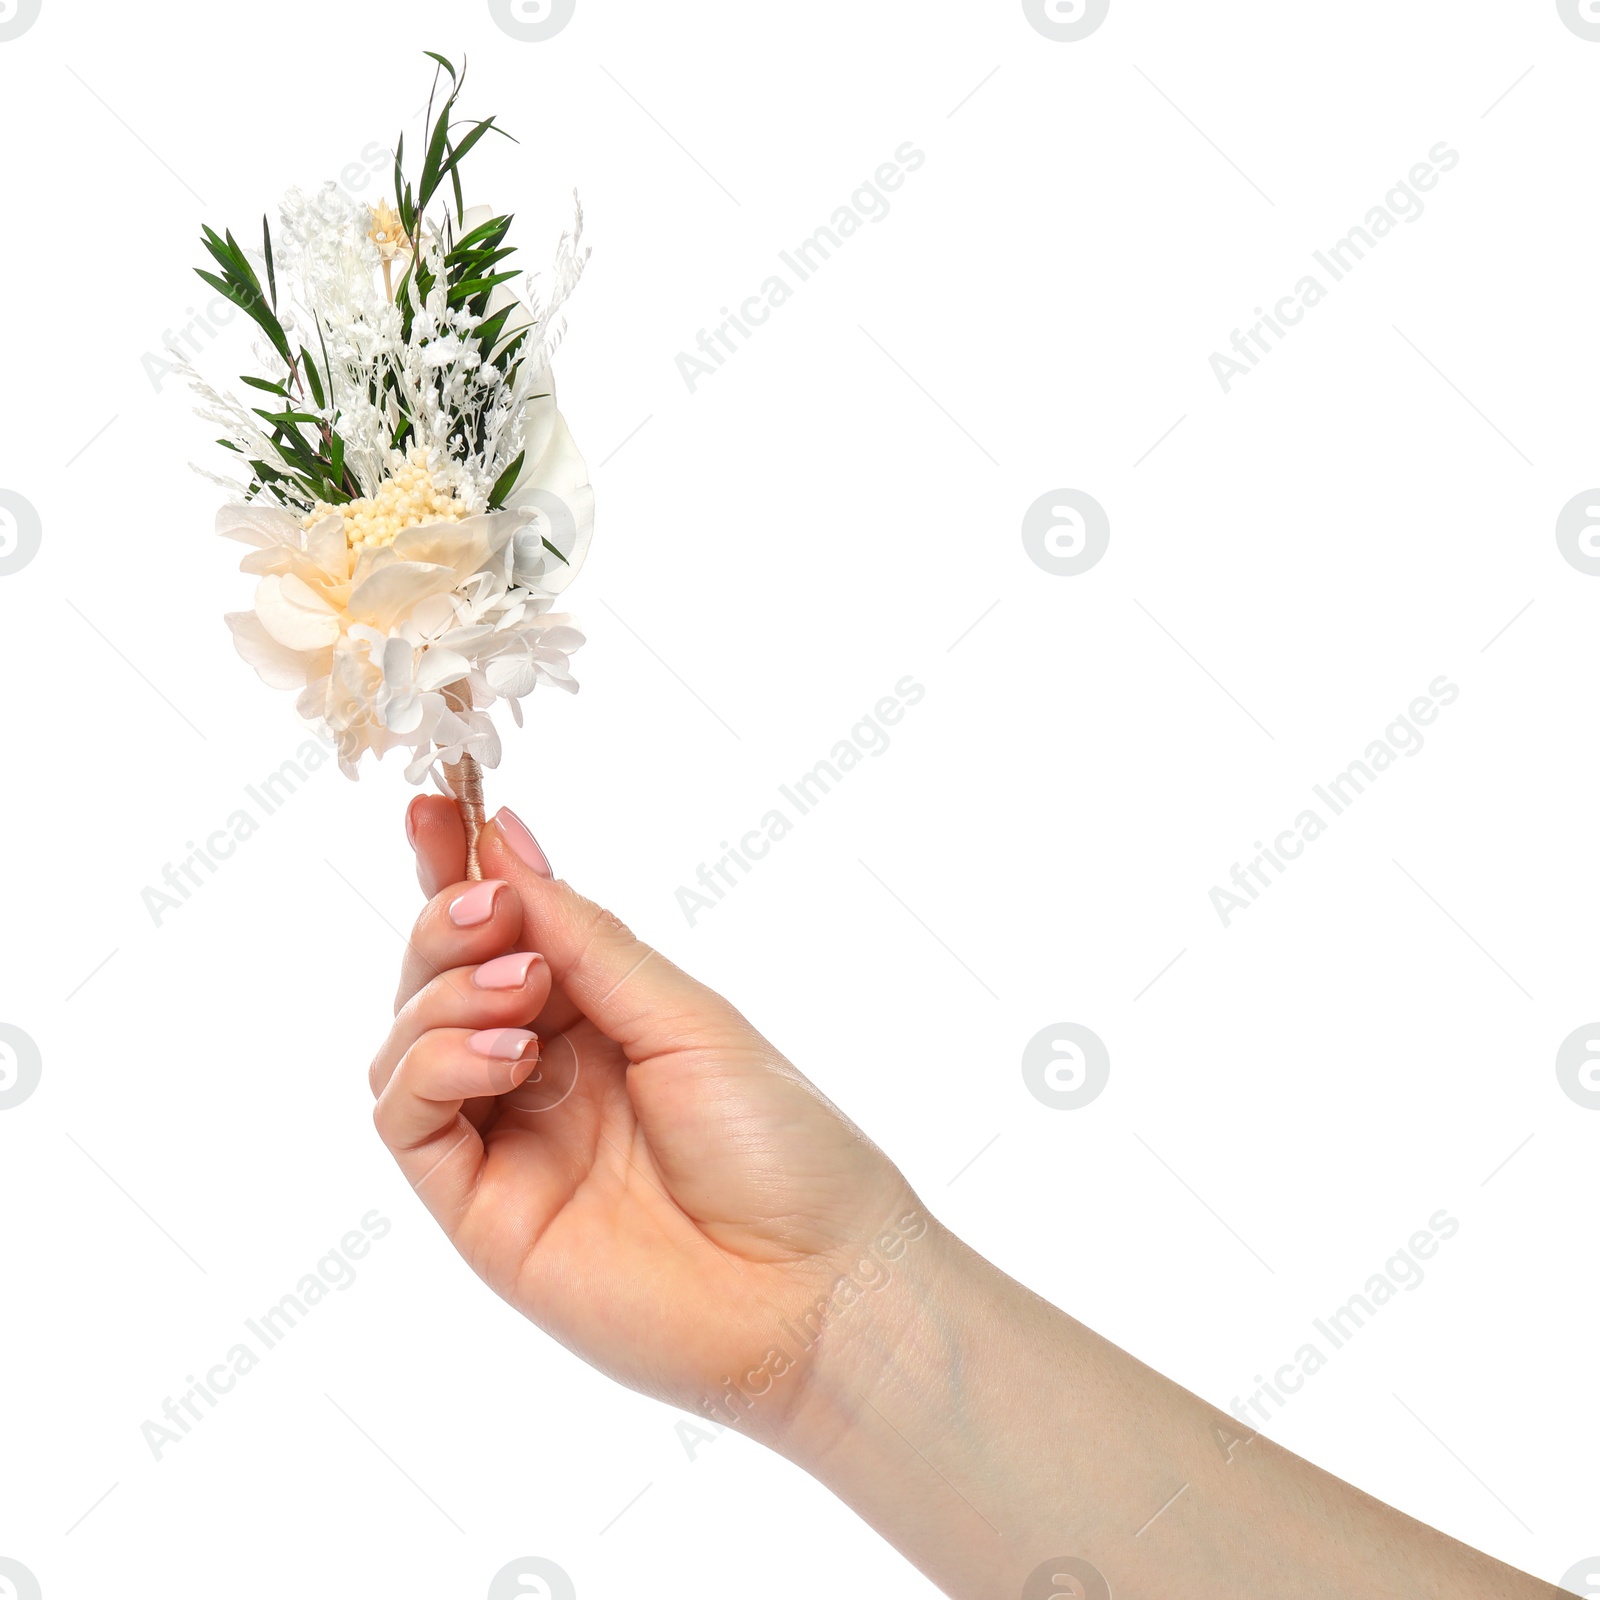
x: 414, y: 499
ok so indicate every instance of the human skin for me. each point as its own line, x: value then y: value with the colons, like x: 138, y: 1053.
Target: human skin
x: 652, y: 1162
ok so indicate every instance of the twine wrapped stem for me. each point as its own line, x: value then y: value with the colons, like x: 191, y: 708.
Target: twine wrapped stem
x: 465, y: 778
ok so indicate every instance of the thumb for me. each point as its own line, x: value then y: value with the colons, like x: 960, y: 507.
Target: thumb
x: 630, y: 991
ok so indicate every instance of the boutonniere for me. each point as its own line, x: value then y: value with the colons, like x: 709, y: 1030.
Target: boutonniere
x: 411, y: 496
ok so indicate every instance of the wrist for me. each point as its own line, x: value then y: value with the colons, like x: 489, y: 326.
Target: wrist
x: 884, y: 1340
x: 929, y: 1410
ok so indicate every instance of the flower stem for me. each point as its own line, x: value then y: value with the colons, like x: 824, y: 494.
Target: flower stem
x: 465, y: 778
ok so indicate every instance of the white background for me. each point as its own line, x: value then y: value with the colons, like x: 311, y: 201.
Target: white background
x: 837, y: 507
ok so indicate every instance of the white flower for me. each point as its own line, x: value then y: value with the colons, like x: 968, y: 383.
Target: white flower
x: 374, y: 635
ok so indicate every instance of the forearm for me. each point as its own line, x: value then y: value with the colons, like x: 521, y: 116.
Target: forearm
x: 986, y: 1434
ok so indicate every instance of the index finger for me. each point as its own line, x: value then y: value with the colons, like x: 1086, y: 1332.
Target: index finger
x: 461, y: 926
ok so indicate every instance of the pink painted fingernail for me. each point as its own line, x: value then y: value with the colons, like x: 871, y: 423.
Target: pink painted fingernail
x: 506, y: 972
x: 503, y: 1044
x: 523, y: 843
x: 476, y: 906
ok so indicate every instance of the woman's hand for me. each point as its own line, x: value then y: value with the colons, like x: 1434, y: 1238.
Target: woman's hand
x: 663, y: 1192
x: 648, y: 1180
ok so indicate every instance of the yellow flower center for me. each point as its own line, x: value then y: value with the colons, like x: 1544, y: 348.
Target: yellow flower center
x: 386, y: 231
x: 406, y: 500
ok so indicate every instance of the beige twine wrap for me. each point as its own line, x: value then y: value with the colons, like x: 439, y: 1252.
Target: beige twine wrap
x: 465, y: 778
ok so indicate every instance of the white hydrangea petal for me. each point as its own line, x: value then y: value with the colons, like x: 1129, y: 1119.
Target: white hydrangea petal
x: 464, y: 639
x: 253, y: 523
x: 512, y: 676
x: 402, y: 713
x: 397, y: 657
x: 465, y: 545
x: 313, y: 700
x: 295, y: 614
x: 440, y: 667
x: 433, y: 617
x: 327, y: 545
x: 270, y: 558
x: 360, y: 633
x: 279, y: 666
x: 561, y: 637
x: 386, y: 595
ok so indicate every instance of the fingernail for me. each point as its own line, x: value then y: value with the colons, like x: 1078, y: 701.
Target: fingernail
x: 476, y: 906
x: 411, y: 821
x: 523, y: 843
x: 503, y: 1044
x: 506, y: 972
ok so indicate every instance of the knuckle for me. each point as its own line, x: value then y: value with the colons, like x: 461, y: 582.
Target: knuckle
x: 602, y: 923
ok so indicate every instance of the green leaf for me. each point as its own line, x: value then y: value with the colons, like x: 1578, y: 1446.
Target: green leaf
x: 477, y: 264
x: 505, y: 483
x: 311, y: 377
x: 218, y: 247
x: 468, y: 287
x: 249, y: 300
x: 479, y: 237
x: 245, y: 269
x: 433, y: 163
x: 458, y: 154
x: 262, y: 383
x: 553, y: 551
x: 288, y: 418
x: 434, y: 55
x: 507, y: 351
x: 266, y: 250
x: 488, y: 331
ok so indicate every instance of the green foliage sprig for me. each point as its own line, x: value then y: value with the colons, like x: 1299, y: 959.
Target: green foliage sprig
x: 303, y: 426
